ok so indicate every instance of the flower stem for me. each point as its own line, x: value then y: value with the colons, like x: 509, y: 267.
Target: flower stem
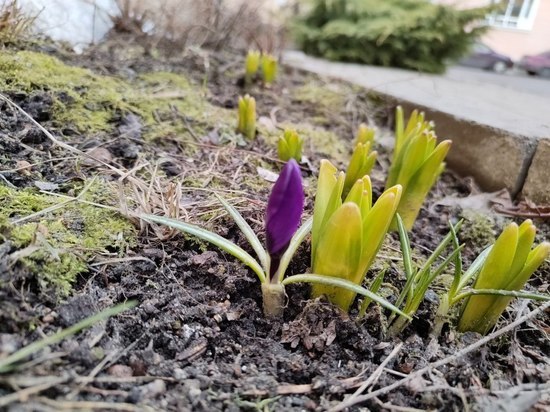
x: 273, y: 299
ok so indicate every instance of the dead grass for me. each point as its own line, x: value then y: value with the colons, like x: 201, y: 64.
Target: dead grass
x: 217, y: 24
x: 15, y: 24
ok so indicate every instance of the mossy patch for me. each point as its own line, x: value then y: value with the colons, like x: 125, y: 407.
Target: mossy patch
x: 477, y: 230
x: 56, y: 246
x: 168, y: 104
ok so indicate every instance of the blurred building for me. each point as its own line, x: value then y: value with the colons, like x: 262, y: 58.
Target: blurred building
x: 521, y: 26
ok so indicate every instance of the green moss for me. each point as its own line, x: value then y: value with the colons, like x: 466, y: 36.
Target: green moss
x: 168, y: 104
x: 477, y: 230
x: 325, y: 97
x: 56, y: 246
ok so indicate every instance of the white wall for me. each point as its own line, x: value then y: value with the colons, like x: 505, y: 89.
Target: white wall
x: 79, y: 22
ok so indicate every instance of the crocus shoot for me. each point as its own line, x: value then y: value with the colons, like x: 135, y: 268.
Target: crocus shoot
x: 364, y: 135
x: 361, y: 163
x: 501, y: 270
x: 290, y: 146
x: 508, y: 266
x: 283, y: 237
x: 416, y: 164
x: 347, y: 235
x: 252, y: 64
x: 269, y: 68
x: 247, y: 117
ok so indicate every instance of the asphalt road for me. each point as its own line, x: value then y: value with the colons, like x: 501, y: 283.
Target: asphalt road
x: 513, y: 79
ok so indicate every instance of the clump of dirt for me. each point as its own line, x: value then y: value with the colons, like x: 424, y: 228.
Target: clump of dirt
x: 157, y: 135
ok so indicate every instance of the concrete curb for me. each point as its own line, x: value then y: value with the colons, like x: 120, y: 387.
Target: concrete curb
x: 509, y: 149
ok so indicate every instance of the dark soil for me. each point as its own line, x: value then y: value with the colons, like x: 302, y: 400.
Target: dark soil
x: 198, y: 339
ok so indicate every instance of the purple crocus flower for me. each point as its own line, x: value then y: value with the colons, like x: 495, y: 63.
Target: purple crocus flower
x: 284, y: 211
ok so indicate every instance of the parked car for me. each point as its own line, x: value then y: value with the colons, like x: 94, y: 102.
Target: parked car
x: 484, y: 57
x: 537, y: 64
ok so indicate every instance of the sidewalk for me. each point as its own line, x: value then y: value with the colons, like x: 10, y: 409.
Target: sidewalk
x: 501, y: 135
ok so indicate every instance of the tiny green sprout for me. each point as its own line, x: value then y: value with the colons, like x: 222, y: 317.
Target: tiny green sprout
x: 365, y: 134
x: 247, y: 117
x: 290, y: 146
x: 416, y: 164
x: 269, y: 68
x: 252, y: 64
x: 502, y: 269
x: 283, y: 238
x: 361, y: 163
x: 346, y: 235
x: 418, y: 280
x: 508, y: 266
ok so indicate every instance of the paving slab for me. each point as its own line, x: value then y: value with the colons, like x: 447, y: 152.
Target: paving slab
x: 495, y: 127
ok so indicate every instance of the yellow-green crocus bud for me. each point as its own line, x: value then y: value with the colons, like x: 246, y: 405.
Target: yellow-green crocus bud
x: 247, y: 117
x: 252, y: 64
x: 361, y: 163
x: 417, y: 163
x: 509, y: 265
x: 290, y: 146
x: 365, y: 135
x: 269, y: 68
x: 347, y: 236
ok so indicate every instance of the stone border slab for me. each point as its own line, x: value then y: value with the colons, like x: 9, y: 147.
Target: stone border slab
x: 537, y: 184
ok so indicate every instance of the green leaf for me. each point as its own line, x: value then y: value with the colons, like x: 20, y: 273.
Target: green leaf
x: 339, y: 253
x: 374, y: 287
x: 375, y: 226
x: 344, y: 284
x: 211, y: 237
x: 293, y: 246
x: 326, y: 184
x: 248, y: 232
x: 8, y: 363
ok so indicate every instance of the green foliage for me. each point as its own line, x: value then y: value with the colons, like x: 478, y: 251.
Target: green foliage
x: 269, y: 68
x: 508, y: 266
x: 416, y: 164
x: 362, y: 159
x: 347, y: 235
x: 56, y: 246
x: 247, y: 117
x: 90, y: 102
x: 252, y: 63
x: 413, y: 34
x: 420, y: 278
x: 290, y: 146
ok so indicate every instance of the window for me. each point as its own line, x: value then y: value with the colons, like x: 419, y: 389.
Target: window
x: 515, y: 14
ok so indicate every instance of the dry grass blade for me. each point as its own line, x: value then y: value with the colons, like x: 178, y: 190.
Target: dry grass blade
x: 24, y: 394
x: 15, y: 24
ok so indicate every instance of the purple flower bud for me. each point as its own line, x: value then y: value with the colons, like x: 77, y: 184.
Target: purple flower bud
x: 284, y: 211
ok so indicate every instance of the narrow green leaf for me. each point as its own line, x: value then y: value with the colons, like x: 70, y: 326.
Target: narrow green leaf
x: 326, y: 184
x: 374, y: 287
x: 479, y: 313
x: 211, y: 237
x: 375, y: 226
x: 293, y: 246
x: 339, y: 253
x: 413, y: 158
x: 474, y: 269
x: 248, y: 232
x: 522, y: 294
x: 526, y: 237
x: 344, y: 284
x: 8, y: 363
